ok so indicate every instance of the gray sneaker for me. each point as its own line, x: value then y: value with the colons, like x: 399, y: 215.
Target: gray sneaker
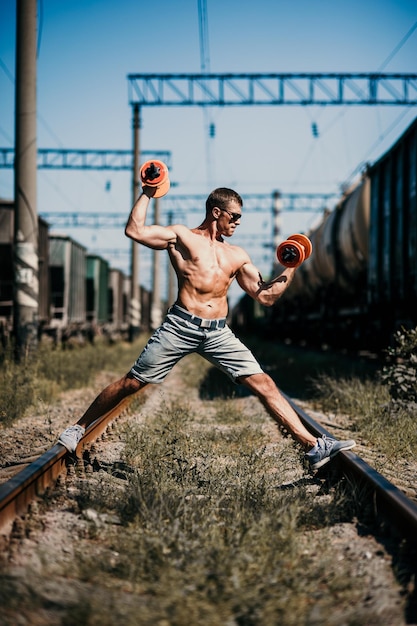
x: 325, y: 449
x: 71, y: 437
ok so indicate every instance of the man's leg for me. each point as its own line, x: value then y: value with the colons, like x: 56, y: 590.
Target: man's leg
x: 277, y: 406
x: 323, y: 448
x: 107, y: 400
x: 110, y: 398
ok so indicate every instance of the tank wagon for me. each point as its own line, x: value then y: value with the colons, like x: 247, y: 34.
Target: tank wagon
x: 360, y: 284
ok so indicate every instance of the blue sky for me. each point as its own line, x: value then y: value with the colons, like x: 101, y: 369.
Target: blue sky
x: 87, y: 48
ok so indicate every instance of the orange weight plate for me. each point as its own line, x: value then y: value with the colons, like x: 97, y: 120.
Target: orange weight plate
x: 290, y: 253
x: 162, y: 189
x: 153, y: 173
x: 305, y: 242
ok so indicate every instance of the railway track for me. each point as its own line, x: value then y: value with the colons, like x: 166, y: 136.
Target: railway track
x: 390, y: 503
x: 17, y: 493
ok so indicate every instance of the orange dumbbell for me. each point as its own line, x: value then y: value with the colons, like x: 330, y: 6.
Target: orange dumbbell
x: 155, y: 174
x: 294, y: 250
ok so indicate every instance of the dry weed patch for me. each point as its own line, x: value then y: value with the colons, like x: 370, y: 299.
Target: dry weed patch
x: 42, y: 376
x: 209, y: 534
x: 207, y: 518
x: 387, y: 426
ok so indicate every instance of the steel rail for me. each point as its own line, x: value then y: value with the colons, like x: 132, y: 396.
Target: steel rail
x: 17, y: 493
x: 389, y: 501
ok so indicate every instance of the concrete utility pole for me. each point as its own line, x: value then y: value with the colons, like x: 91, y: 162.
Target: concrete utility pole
x: 171, y: 274
x: 26, y: 280
x: 156, y: 309
x: 276, y: 220
x: 135, y: 308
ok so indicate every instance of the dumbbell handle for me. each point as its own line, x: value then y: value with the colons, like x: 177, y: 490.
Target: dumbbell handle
x: 152, y: 172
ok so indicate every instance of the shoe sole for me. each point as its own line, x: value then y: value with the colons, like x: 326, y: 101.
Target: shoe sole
x: 330, y: 457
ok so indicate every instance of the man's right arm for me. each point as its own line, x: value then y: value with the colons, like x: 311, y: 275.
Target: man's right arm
x: 155, y: 236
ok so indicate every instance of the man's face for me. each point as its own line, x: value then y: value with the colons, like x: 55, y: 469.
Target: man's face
x: 229, y: 219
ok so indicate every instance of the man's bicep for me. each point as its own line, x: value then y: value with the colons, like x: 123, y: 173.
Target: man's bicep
x: 155, y: 236
x: 249, y: 278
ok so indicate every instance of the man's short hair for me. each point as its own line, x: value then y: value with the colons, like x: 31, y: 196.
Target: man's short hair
x: 221, y: 197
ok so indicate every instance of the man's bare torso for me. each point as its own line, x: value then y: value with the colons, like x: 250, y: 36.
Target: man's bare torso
x: 205, y: 268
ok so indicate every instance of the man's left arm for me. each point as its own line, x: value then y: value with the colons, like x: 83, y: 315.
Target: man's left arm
x: 265, y: 292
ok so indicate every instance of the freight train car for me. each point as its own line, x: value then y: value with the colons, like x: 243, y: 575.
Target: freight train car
x: 78, y: 293
x: 118, y: 300
x: 392, y: 272
x: 97, y: 285
x: 360, y: 284
x: 67, y: 265
x: 7, y: 268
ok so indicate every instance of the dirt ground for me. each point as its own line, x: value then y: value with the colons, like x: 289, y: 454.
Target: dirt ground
x: 47, y: 535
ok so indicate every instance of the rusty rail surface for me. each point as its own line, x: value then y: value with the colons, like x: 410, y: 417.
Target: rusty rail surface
x: 17, y: 493
x: 389, y: 501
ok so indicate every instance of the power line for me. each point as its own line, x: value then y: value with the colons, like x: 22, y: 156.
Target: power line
x: 397, y: 47
x: 6, y: 71
x: 204, y: 41
x: 209, y: 125
x: 362, y: 164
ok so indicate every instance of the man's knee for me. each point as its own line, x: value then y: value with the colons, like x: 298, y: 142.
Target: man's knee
x: 132, y: 384
x: 261, y: 384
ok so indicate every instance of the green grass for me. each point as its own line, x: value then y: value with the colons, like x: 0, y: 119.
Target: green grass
x: 208, y: 536
x: 389, y: 428
x: 354, y: 387
x: 42, y: 376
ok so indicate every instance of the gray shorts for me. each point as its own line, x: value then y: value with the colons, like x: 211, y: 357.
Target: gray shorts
x: 178, y: 337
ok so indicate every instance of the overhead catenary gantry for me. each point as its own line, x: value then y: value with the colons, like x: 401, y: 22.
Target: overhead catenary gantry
x: 172, y: 205
x: 272, y: 89
x: 84, y: 159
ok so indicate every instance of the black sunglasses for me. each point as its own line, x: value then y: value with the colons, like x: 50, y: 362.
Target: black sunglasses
x: 233, y: 216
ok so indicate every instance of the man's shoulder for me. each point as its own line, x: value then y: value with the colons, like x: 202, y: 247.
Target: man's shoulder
x: 237, y: 250
x: 181, y: 229
x: 239, y: 255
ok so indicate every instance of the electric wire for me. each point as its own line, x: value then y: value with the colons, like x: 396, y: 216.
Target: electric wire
x: 397, y: 47
x: 40, y: 27
x: 364, y: 161
x: 205, y: 68
x: 323, y: 131
x: 393, y: 125
x: 6, y: 70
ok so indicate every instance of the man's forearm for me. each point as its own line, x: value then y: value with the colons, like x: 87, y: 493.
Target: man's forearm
x: 270, y: 291
x: 137, y: 217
